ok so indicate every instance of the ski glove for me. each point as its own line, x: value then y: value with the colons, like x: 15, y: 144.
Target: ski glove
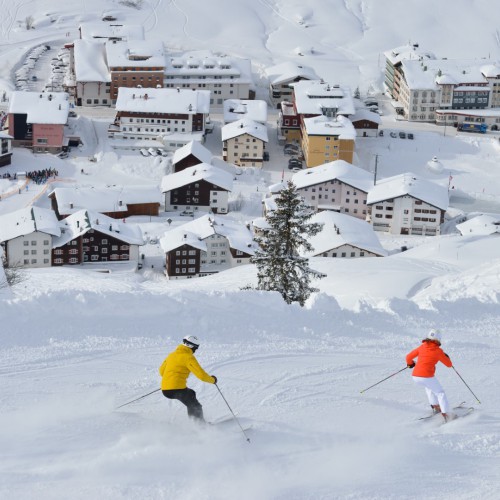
x: 411, y: 366
x: 215, y: 379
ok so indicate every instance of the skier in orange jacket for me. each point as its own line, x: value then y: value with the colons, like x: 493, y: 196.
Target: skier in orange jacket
x: 175, y: 370
x: 428, y: 354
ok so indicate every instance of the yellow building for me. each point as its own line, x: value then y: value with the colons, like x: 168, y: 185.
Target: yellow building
x: 326, y: 139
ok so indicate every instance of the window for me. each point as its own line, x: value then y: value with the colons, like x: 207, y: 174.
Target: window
x: 33, y: 252
x: 26, y: 243
x: 33, y: 243
x: 45, y: 242
x: 26, y: 252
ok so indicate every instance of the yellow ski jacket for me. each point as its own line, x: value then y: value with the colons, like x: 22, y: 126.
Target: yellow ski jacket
x: 177, y: 367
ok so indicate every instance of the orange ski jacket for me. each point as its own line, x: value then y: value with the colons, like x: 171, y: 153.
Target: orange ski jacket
x: 428, y: 354
x: 177, y: 367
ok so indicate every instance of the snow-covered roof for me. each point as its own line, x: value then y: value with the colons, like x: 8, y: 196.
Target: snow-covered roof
x: 205, y: 66
x: 288, y: 72
x: 135, y: 53
x: 194, y: 232
x: 244, y: 126
x: 193, y: 148
x: 411, y: 185
x: 340, y: 170
x: 235, y: 109
x: 312, y: 97
x: 5, y: 135
x: 41, y: 107
x: 324, y: 125
x: 428, y: 74
x: 491, y: 70
x: 90, y: 31
x: 27, y: 221
x: 407, y: 52
x: 79, y: 223
x: 365, y: 114
x: 341, y: 229
x: 90, y: 61
x: 103, y: 199
x: 481, y: 225
x: 196, y: 173
x: 145, y: 100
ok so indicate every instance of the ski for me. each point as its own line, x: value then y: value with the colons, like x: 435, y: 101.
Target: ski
x: 458, y: 407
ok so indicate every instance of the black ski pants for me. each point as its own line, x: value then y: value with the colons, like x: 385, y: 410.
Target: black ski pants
x: 188, y: 397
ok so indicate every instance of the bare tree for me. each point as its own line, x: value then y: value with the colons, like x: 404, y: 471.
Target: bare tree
x: 13, y: 274
x: 136, y: 4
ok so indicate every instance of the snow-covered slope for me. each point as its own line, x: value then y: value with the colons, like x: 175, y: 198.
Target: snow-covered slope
x: 75, y: 344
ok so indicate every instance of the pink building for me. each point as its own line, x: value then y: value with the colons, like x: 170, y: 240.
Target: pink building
x: 36, y: 120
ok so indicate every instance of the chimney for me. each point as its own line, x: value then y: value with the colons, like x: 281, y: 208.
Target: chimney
x: 71, y: 205
x: 133, y: 96
x: 97, y: 221
x: 120, y: 203
x: 77, y: 223
x: 50, y: 97
x: 111, y: 227
x: 178, y: 89
x: 146, y: 97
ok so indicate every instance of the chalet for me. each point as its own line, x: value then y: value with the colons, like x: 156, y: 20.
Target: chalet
x: 201, y: 187
x: 135, y: 64
x: 205, y: 246
x: 281, y: 76
x: 326, y: 139
x: 27, y: 235
x: 336, y: 186
x: 236, y: 109
x: 189, y: 155
x: 406, y: 204
x: 90, y: 237
x: 37, y: 120
x: 289, y: 123
x: 366, y: 122
x: 244, y: 142
x: 168, y: 118
x: 117, y: 202
x: 225, y: 77
x: 343, y: 236
x: 5, y: 149
x: 91, y: 73
x: 481, y: 225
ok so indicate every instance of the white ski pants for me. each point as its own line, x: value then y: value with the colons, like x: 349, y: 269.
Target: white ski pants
x: 435, y: 393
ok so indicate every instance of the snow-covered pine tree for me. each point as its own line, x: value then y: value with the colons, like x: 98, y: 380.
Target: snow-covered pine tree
x: 279, y: 266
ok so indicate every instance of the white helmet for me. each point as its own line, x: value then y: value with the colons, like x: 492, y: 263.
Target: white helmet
x: 191, y: 341
x: 434, y: 335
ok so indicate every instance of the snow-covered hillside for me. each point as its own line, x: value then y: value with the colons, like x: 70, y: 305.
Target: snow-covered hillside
x: 75, y: 344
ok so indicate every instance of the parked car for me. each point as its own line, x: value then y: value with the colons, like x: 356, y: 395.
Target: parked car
x: 187, y: 213
x: 144, y: 152
x: 410, y: 135
x: 72, y: 114
x: 402, y: 135
x: 265, y: 156
x: 294, y: 162
x: 381, y: 133
x: 291, y: 149
x: 152, y: 151
x: 393, y: 134
x: 62, y: 155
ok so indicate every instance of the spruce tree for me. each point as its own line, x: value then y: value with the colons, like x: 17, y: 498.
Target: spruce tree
x: 279, y: 266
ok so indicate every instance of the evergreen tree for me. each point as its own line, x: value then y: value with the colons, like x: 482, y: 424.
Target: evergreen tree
x: 279, y: 266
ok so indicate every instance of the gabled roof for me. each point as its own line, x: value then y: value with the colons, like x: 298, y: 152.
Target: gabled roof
x: 135, y: 53
x: 407, y: 52
x: 195, y: 149
x: 162, y: 100
x: 288, y: 72
x: 340, y: 170
x: 244, y: 126
x: 340, y: 229
x: 82, y: 221
x: 103, y: 199
x: 365, y: 114
x: 481, y: 225
x: 339, y: 126
x: 409, y: 184
x: 195, y: 232
x: 313, y: 96
x: 90, y: 61
x: 41, y: 107
x: 196, y: 173
x: 27, y: 221
x: 235, y: 109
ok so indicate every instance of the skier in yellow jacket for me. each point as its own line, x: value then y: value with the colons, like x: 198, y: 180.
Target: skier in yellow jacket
x: 175, y: 370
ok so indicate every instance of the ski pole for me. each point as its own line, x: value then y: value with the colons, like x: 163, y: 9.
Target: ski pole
x: 234, y: 416
x: 466, y: 385
x: 137, y: 399
x: 402, y: 369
